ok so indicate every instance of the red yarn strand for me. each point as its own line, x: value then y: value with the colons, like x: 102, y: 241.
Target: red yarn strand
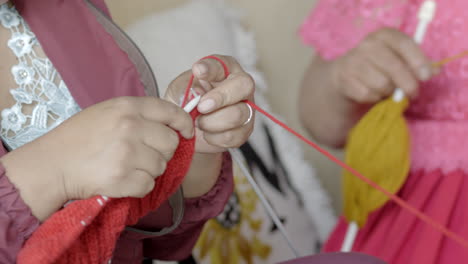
x: 423, y: 217
x: 400, y: 202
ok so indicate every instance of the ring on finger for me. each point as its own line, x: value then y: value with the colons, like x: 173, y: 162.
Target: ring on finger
x: 250, y: 115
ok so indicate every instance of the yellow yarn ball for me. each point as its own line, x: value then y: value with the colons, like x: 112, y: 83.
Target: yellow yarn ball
x: 379, y: 148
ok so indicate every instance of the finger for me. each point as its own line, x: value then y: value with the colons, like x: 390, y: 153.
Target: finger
x: 225, y: 119
x: 149, y: 160
x: 176, y: 90
x: 360, y: 93
x: 410, y: 52
x: 137, y: 185
x: 206, y: 86
x: 372, y: 77
x: 202, y: 146
x: 238, y: 87
x: 229, y: 139
x: 161, y: 139
x: 212, y: 70
x: 396, y: 69
x: 168, y: 113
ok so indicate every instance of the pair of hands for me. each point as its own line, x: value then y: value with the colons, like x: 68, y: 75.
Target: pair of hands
x: 118, y: 147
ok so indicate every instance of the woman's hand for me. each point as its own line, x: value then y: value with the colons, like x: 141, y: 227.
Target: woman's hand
x: 226, y: 121
x: 384, y: 61
x: 336, y: 94
x: 115, y: 148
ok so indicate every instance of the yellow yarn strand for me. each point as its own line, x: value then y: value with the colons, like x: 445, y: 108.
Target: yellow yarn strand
x: 379, y: 148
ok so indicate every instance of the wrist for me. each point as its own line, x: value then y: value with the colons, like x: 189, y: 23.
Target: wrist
x: 203, y: 174
x: 38, y: 182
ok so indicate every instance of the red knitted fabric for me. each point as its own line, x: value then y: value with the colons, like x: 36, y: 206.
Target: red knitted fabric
x: 86, y: 231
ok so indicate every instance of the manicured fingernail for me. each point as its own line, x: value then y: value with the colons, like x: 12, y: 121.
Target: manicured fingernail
x: 200, y: 69
x: 425, y: 73
x: 206, y: 106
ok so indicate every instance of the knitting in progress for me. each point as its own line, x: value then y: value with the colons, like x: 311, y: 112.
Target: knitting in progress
x: 86, y: 231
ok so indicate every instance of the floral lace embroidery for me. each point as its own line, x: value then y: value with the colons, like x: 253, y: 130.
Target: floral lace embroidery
x: 39, y: 86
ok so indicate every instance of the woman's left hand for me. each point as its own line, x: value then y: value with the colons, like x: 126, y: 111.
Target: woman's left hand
x: 225, y: 121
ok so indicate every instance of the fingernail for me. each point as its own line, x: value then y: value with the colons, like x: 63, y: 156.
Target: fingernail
x: 200, y: 69
x: 425, y: 73
x: 206, y: 85
x: 206, y: 106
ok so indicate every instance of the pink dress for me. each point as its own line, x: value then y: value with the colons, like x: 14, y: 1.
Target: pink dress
x: 438, y: 121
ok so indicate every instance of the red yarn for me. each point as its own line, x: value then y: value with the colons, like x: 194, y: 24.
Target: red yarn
x: 409, y: 208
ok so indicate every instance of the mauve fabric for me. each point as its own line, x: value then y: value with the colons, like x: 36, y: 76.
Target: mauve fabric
x: 95, y: 69
x: 178, y: 244
x: 337, y: 258
x: 16, y: 221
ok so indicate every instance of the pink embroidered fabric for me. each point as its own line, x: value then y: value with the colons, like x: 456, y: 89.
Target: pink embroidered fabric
x: 438, y: 119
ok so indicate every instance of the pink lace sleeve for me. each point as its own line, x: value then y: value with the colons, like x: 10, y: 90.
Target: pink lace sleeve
x: 336, y: 26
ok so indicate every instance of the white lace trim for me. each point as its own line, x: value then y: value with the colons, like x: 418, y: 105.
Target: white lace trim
x: 43, y: 100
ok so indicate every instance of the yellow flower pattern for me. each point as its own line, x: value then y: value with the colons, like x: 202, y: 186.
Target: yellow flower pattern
x: 232, y: 238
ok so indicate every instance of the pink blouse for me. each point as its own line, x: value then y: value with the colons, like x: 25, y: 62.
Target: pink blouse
x: 438, y: 118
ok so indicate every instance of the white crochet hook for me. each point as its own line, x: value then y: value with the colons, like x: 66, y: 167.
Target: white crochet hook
x: 425, y: 16
x: 192, y: 103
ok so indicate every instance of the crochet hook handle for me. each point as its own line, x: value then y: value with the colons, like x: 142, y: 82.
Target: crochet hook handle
x: 426, y: 15
x: 350, y: 237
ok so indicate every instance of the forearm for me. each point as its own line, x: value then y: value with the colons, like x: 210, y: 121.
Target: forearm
x: 203, y: 174
x: 326, y: 113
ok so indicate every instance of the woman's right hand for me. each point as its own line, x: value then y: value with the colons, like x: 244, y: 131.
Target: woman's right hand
x: 384, y: 61
x: 336, y: 94
x: 115, y: 148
